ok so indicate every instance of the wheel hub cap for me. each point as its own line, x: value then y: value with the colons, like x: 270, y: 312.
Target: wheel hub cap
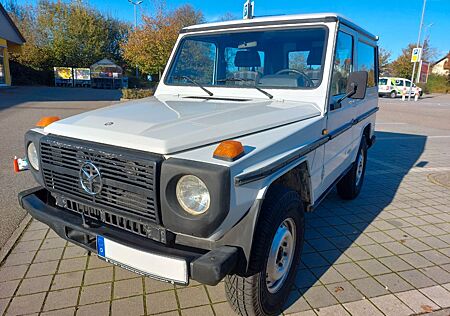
x: 359, y: 167
x: 280, y: 256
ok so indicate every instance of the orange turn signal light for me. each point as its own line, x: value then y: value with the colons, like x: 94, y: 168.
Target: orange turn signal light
x: 229, y: 150
x: 47, y: 120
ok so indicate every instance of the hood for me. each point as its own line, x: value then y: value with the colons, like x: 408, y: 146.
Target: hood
x: 167, y: 125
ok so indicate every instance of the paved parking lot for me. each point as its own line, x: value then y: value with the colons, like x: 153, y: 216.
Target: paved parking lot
x: 385, y: 253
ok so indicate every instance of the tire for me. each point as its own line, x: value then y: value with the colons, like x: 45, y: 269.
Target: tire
x: 393, y: 94
x: 260, y: 292
x: 350, y: 185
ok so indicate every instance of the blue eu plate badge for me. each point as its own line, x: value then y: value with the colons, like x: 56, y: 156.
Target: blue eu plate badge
x: 100, y: 246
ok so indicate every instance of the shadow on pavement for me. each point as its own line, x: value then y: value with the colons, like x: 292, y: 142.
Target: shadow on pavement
x: 337, y: 224
x: 13, y: 96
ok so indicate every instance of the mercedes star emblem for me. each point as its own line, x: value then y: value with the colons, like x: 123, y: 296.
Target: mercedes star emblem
x: 90, y: 178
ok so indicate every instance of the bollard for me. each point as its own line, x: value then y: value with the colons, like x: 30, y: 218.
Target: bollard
x: 416, y: 96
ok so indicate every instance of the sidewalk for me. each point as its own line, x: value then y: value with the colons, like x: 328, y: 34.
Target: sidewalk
x: 386, y: 253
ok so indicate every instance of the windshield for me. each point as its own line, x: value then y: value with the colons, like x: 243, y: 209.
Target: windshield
x: 273, y: 59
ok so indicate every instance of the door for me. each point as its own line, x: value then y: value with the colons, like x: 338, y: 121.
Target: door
x: 340, y: 115
x: 2, y: 67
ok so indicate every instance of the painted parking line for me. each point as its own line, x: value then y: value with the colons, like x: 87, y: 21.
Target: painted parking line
x: 412, y: 137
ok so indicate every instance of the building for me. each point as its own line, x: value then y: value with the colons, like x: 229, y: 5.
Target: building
x: 10, y: 41
x: 442, y: 66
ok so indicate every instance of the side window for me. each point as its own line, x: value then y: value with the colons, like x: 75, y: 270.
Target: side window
x: 408, y: 83
x: 343, y: 63
x: 366, y: 62
x: 399, y: 83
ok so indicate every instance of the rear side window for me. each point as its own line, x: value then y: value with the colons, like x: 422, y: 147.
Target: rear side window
x: 399, y: 83
x: 382, y: 82
x: 343, y: 63
x: 366, y: 62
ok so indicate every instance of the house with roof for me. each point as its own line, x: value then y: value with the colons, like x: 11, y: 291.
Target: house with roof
x: 442, y: 66
x: 10, y: 41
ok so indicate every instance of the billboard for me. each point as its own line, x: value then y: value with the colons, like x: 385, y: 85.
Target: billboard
x: 64, y: 73
x: 422, y: 74
x: 82, y: 74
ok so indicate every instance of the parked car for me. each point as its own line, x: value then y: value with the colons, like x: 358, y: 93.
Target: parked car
x: 251, y: 126
x: 394, y: 87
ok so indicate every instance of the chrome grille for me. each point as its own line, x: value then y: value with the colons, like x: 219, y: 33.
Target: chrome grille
x: 128, y: 176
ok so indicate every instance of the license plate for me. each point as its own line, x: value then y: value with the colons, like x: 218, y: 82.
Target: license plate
x: 150, y: 264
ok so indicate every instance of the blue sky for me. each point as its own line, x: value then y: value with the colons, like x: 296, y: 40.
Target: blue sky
x: 395, y: 21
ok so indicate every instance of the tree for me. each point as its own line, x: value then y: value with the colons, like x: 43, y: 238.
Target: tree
x: 403, y: 67
x: 384, y: 56
x: 66, y: 34
x: 149, y: 46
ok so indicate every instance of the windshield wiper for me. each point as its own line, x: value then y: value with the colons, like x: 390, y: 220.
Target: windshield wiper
x: 194, y: 82
x: 267, y: 94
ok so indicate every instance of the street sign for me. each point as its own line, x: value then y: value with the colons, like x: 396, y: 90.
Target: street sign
x: 416, y: 55
x: 249, y: 10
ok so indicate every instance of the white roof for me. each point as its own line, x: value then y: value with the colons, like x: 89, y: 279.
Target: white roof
x: 285, y: 19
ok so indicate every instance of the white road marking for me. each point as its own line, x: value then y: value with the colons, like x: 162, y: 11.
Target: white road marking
x: 390, y: 123
x: 412, y: 137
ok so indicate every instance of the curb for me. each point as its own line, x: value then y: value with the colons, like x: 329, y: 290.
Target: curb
x: 8, y: 246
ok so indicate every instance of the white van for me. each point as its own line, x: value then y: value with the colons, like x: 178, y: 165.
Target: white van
x: 394, y: 87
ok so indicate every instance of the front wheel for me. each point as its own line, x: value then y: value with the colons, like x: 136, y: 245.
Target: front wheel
x: 350, y: 185
x: 393, y: 94
x: 278, y: 243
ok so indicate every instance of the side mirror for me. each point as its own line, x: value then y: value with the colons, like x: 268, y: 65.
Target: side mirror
x: 356, y: 87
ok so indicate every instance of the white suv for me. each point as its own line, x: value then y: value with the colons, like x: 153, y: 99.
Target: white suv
x: 394, y: 87
x: 252, y: 124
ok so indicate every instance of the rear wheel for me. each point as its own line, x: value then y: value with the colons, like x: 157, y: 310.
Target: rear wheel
x: 393, y: 94
x: 350, y: 185
x: 278, y: 242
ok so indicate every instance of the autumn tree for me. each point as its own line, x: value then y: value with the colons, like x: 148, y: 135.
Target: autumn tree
x: 403, y: 67
x: 149, y: 46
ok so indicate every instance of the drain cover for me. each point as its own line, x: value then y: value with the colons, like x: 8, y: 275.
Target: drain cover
x: 440, y: 179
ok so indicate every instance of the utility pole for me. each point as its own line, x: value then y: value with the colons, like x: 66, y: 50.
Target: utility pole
x: 418, y: 43
x: 135, y: 4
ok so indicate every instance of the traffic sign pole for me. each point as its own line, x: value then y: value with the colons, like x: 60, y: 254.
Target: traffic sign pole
x: 418, y: 43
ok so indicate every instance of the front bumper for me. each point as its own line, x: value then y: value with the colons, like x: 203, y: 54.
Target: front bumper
x: 207, y: 267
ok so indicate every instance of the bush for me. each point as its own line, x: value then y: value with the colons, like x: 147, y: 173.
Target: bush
x: 436, y: 84
x: 136, y: 93
x: 25, y: 75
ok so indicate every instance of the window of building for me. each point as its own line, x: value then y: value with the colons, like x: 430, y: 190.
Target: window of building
x: 366, y: 62
x: 2, y: 66
x: 343, y: 63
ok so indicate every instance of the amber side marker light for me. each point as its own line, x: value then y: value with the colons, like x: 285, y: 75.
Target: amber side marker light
x: 229, y: 150
x: 47, y: 120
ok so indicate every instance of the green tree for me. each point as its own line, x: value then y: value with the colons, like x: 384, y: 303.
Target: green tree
x: 149, y: 46
x: 403, y: 67
x: 66, y: 34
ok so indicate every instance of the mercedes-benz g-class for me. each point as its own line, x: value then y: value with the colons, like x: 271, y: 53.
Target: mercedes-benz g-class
x: 252, y: 124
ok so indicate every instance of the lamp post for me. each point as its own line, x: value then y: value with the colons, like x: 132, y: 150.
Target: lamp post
x: 418, y: 43
x: 135, y: 4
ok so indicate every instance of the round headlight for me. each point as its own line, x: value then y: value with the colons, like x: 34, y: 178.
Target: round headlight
x: 193, y: 195
x: 33, y: 158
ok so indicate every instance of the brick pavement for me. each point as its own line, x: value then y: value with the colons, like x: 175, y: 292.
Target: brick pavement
x: 385, y: 253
